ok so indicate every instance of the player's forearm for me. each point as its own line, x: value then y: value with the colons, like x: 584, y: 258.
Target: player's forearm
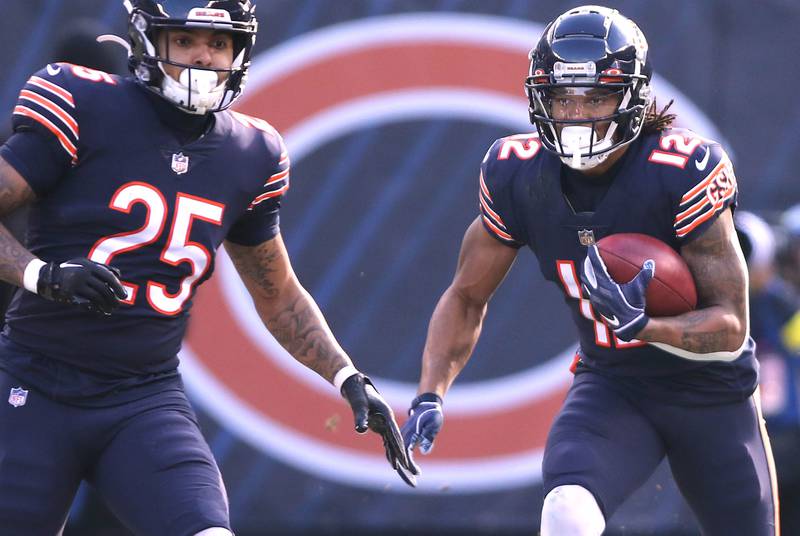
x: 286, y: 309
x: 298, y: 325
x: 703, y: 331
x: 13, y: 258
x: 14, y: 192
x: 452, y: 334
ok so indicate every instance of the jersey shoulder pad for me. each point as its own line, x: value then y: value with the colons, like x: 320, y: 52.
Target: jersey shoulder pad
x: 502, y: 163
x: 273, y: 151
x: 699, y: 176
x: 507, y: 156
x: 513, y: 151
x: 52, y: 99
x: 254, y: 127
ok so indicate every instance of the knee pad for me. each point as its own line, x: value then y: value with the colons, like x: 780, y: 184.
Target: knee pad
x: 571, y: 510
x: 214, y: 531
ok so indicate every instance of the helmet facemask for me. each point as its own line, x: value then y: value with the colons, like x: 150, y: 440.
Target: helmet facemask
x: 198, y: 89
x: 604, y: 122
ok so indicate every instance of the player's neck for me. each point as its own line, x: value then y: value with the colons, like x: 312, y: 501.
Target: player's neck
x: 187, y: 127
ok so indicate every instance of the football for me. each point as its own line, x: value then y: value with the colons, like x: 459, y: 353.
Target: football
x: 671, y: 292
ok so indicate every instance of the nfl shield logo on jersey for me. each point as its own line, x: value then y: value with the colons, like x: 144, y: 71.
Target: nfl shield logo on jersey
x: 180, y: 163
x: 586, y: 237
x: 17, y: 397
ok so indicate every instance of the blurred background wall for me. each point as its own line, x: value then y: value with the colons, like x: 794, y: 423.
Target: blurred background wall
x: 387, y: 107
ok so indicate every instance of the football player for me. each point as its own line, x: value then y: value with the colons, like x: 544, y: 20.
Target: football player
x: 133, y: 185
x: 603, y: 160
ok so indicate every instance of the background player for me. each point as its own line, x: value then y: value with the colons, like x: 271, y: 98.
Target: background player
x: 773, y: 304
x: 645, y: 388
x: 133, y: 185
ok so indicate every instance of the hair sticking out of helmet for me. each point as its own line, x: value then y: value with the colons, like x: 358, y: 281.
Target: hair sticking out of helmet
x: 601, y: 55
x: 197, y: 89
x: 656, y: 120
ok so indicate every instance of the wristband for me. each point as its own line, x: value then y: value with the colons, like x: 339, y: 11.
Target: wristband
x: 427, y: 397
x: 30, y: 278
x: 344, y: 373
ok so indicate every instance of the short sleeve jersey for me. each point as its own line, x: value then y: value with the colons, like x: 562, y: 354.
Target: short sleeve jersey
x: 671, y: 186
x: 119, y: 187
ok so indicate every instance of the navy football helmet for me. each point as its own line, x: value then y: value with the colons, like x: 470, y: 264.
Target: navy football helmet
x: 198, y: 90
x: 589, y: 50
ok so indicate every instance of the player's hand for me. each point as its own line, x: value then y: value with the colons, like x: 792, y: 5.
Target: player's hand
x: 88, y: 284
x: 372, y: 412
x: 621, y: 306
x: 425, y: 419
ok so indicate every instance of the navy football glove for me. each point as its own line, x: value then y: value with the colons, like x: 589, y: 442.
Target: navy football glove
x: 372, y: 412
x: 621, y: 306
x: 88, y: 284
x: 425, y: 419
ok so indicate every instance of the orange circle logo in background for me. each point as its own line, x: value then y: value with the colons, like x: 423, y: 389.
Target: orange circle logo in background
x: 316, y: 88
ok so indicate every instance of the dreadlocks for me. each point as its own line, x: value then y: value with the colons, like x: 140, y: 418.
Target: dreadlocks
x: 658, y: 121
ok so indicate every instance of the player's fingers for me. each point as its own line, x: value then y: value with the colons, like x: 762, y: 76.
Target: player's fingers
x: 100, y: 295
x: 354, y: 391
x: 647, y: 273
x: 408, y: 476
x: 588, y: 276
x: 596, y: 260
x: 95, y: 298
x: 408, y: 431
x: 377, y: 424
x: 383, y: 422
x: 410, y: 440
x: 394, y: 447
x: 405, y: 470
x: 593, y: 254
x: 431, y: 429
x: 586, y: 292
x: 360, y: 414
x: 118, y: 290
x: 412, y: 465
x: 114, y: 270
x: 104, y: 289
x: 110, y: 277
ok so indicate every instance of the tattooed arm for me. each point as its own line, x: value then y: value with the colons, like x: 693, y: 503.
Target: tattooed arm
x: 286, y: 308
x: 720, y: 322
x: 290, y: 314
x: 14, y: 192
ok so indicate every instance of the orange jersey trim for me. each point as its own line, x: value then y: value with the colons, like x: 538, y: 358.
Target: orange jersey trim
x: 704, y: 183
x: 62, y: 138
x: 52, y: 88
x: 497, y: 230
x: 55, y: 109
x: 277, y: 177
x: 718, y: 205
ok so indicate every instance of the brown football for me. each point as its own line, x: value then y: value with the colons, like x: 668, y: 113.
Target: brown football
x: 671, y: 292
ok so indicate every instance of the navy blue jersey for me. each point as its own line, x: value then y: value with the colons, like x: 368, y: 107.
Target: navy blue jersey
x: 127, y: 192
x: 671, y: 186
